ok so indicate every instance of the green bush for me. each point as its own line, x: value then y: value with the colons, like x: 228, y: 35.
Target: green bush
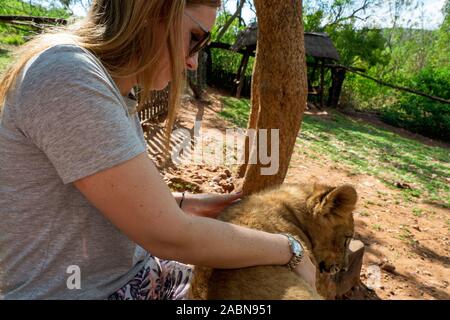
x: 422, y: 115
x: 18, y: 35
x: 225, y: 60
x: 33, y: 8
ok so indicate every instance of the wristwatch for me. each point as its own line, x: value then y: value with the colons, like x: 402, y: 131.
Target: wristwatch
x: 297, y: 252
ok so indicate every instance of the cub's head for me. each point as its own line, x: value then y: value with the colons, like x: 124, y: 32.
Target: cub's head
x: 329, y: 224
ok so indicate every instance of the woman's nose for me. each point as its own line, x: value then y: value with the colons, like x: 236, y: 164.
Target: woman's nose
x: 192, y: 62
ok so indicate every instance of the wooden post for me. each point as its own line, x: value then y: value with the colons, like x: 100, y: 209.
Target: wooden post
x: 338, y: 77
x: 209, y: 62
x: 322, y: 82
x: 311, y: 79
x: 241, y: 74
x: 238, y: 74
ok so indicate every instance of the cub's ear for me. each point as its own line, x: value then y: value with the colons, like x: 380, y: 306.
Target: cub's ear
x: 340, y: 200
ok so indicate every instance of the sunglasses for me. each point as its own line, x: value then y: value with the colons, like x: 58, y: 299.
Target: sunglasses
x: 198, y: 44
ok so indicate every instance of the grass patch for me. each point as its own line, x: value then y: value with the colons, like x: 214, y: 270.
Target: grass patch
x: 383, y: 154
x: 5, y: 58
x: 363, y: 213
x: 406, y: 236
x: 377, y: 227
x: 235, y: 110
x: 417, y: 212
x: 13, y: 36
x: 367, y: 149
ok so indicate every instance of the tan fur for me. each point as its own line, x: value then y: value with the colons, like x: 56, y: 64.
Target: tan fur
x: 319, y: 215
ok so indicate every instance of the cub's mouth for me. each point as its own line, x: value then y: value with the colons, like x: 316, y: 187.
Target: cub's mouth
x: 332, y: 270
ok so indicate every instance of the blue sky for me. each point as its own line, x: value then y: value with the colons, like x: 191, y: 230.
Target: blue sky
x: 380, y: 18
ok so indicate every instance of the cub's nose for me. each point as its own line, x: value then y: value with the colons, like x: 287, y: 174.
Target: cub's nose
x: 334, y: 269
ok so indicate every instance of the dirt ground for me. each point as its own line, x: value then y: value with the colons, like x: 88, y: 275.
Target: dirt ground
x: 407, y: 256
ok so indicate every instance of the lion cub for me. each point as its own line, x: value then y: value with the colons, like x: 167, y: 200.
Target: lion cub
x: 318, y: 215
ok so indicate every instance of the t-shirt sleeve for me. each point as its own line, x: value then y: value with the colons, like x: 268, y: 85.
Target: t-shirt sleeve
x: 72, y: 112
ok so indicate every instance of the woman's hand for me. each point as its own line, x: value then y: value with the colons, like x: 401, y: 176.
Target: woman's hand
x: 208, y: 205
x: 307, y: 270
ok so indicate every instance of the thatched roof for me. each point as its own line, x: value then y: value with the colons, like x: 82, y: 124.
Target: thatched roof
x: 318, y: 45
x: 247, y: 37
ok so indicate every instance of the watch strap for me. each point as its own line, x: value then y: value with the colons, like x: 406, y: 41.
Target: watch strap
x: 297, y: 251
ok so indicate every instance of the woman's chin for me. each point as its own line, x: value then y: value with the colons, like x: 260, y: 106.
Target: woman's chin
x: 160, y: 85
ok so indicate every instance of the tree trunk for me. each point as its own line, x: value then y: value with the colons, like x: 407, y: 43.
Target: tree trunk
x: 279, y: 89
x: 252, y: 124
x: 241, y: 75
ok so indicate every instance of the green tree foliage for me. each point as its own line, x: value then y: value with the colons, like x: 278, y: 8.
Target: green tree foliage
x: 226, y: 60
x: 35, y: 8
x: 418, y: 59
x: 422, y: 115
x: 440, y: 53
x: 361, y: 47
x: 358, y: 47
x: 18, y: 34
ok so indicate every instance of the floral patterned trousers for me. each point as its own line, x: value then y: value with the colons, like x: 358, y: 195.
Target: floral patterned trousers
x: 157, y: 280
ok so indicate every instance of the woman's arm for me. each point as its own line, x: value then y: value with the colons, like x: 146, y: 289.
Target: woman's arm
x: 134, y: 197
x: 207, y: 205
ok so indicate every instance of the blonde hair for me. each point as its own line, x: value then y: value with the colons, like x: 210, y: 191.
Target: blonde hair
x: 121, y: 34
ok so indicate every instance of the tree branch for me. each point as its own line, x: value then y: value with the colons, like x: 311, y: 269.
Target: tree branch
x: 355, y: 71
x: 354, y: 15
x: 227, y: 25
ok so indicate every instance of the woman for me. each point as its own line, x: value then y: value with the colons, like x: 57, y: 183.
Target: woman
x: 77, y: 190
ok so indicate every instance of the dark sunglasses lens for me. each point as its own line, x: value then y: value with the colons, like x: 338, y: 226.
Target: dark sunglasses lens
x: 200, y: 45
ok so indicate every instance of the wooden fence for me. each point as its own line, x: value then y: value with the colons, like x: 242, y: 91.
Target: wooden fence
x: 156, y: 107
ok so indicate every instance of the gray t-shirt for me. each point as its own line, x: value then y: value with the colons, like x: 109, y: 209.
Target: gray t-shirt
x: 64, y: 121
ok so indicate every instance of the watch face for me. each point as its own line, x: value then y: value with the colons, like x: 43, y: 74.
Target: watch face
x: 297, y: 248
